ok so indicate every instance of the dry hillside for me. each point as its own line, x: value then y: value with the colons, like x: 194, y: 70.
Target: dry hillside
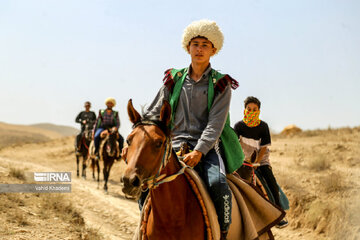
x: 12, y: 134
x: 320, y: 172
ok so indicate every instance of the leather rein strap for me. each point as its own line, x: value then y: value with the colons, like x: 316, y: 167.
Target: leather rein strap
x: 157, y: 179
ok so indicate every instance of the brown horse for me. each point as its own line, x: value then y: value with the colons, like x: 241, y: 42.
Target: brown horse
x: 109, y: 151
x: 247, y: 172
x: 83, y: 150
x: 175, y: 210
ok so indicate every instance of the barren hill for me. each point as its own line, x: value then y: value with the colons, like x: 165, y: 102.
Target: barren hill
x: 62, y: 130
x: 12, y: 134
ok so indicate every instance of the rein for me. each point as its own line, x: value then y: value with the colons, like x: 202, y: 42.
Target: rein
x: 252, y: 170
x: 84, y: 142
x: 157, y: 179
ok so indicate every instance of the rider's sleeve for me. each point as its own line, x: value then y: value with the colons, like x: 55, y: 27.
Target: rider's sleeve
x: 78, y: 118
x: 92, y: 120
x: 154, y: 109
x: 217, y: 118
x: 265, y: 136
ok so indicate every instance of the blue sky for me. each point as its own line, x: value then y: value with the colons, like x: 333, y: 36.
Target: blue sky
x: 300, y: 58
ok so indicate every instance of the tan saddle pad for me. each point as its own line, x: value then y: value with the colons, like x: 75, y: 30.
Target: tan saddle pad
x: 252, y: 215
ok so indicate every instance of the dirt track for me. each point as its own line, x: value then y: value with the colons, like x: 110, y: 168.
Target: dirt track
x: 112, y: 214
x: 116, y: 217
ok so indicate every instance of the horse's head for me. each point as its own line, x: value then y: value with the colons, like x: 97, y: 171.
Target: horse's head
x: 88, y: 132
x: 111, y: 142
x: 147, y: 146
x: 246, y: 171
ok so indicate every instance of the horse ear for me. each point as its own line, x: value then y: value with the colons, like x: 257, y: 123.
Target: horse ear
x: 165, y: 113
x: 133, y: 114
x: 253, y: 157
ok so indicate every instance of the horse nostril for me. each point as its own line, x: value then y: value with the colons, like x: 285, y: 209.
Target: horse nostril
x: 135, y: 181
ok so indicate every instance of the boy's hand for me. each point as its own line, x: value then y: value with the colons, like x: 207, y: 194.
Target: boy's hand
x: 193, y: 158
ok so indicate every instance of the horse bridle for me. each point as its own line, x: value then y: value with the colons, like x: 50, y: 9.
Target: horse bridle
x: 157, y: 179
x: 252, y: 165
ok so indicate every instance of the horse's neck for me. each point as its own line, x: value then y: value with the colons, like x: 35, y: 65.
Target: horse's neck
x: 168, y: 200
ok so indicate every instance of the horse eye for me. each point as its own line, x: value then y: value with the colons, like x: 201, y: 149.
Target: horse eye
x: 128, y: 142
x: 158, y: 144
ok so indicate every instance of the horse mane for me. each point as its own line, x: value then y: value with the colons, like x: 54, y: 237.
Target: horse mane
x: 153, y: 120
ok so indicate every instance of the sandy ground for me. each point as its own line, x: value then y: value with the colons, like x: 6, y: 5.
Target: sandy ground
x: 315, y: 199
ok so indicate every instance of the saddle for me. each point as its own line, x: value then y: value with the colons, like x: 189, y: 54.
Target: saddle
x: 252, y: 214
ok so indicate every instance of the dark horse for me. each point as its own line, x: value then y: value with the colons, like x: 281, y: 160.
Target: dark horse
x: 109, y: 151
x: 83, y: 150
x: 247, y: 172
x: 173, y: 210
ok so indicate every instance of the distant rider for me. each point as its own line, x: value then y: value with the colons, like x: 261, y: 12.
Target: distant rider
x: 86, y: 117
x: 107, y: 119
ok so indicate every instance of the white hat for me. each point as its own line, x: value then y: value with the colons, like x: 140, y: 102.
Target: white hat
x: 110, y: 99
x: 203, y: 28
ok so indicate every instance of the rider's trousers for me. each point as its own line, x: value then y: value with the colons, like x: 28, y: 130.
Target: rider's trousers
x: 97, y: 138
x: 209, y: 170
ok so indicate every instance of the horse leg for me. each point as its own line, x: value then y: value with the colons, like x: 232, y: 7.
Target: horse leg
x: 77, y: 165
x: 93, y: 168
x: 98, y: 171
x: 83, y: 174
x: 105, y: 172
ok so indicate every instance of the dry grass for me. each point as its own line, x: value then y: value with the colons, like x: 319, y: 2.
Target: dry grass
x: 62, y: 207
x: 29, y: 211
x: 319, y: 162
x: 17, y: 173
x: 91, y: 234
x: 333, y: 183
x: 20, y: 218
x: 323, y: 192
x: 10, y: 205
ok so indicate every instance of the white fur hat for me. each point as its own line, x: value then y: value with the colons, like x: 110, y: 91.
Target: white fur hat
x: 203, y: 28
x: 110, y: 99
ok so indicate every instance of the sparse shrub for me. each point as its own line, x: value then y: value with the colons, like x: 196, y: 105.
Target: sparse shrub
x: 17, y: 173
x: 20, y: 218
x: 62, y: 207
x: 333, y: 183
x: 319, y: 162
x: 91, y: 234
